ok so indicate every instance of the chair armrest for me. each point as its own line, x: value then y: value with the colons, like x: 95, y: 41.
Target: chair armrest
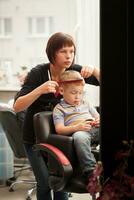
x: 56, y: 182
x: 54, y: 151
x: 65, y: 144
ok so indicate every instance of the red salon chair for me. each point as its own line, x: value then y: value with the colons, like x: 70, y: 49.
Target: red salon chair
x: 64, y: 171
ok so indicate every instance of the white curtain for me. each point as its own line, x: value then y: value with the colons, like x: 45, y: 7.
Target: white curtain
x: 87, y: 36
x: 87, y: 31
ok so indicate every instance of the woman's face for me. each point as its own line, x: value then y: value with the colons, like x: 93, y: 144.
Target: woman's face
x: 64, y: 57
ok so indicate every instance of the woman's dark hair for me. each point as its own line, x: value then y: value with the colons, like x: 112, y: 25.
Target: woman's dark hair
x: 56, y: 42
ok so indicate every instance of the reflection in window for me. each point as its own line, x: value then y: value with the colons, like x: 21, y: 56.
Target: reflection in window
x: 40, y: 26
x: 6, y: 73
x: 5, y: 27
x: 35, y: 61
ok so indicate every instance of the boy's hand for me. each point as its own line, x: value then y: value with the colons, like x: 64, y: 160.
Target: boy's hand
x: 83, y: 126
x: 95, y: 123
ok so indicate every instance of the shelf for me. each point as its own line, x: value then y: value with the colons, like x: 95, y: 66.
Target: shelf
x: 9, y: 88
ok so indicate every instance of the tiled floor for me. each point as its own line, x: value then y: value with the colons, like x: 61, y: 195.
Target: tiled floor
x: 20, y: 192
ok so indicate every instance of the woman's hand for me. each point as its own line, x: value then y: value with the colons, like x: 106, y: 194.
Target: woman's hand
x: 49, y: 87
x: 87, y: 71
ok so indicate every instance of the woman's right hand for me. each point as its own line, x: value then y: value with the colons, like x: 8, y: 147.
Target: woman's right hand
x: 48, y: 87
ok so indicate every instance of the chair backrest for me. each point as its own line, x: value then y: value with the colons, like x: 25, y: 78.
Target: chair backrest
x: 13, y: 132
x: 43, y: 126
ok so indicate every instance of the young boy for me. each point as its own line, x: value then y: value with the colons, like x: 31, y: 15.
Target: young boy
x: 77, y: 118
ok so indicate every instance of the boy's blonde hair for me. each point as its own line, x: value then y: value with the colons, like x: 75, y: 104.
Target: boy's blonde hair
x: 71, y: 76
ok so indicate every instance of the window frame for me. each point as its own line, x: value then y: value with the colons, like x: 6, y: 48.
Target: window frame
x: 32, y: 28
x: 3, y: 26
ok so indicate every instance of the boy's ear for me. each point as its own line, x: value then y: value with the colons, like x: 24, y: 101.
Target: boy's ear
x: 61, y: 90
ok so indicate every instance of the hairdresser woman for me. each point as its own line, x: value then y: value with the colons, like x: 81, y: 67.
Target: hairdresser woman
x: 39, y: 93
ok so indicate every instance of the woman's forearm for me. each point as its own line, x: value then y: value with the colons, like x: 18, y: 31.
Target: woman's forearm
x: 23, y: 102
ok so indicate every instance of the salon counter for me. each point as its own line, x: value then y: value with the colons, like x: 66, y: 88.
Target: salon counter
x: 7, y: 93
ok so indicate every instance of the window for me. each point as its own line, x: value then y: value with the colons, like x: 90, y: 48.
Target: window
x: 5, y: 27
x: 6, y: 74
x: 34, y: 61
x: 40, y: 26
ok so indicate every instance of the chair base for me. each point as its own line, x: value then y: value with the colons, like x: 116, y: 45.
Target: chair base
x: 29, y: 192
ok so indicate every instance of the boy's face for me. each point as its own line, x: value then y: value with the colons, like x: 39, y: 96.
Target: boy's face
x: 72, y: 94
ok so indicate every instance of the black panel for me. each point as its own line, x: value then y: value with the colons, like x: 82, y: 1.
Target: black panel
x: 116, y: 78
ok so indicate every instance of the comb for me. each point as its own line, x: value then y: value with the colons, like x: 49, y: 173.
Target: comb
x: 71, y: 81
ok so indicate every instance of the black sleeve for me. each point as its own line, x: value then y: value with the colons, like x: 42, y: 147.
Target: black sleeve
x: 31, y: 82
x: 90, y: 80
